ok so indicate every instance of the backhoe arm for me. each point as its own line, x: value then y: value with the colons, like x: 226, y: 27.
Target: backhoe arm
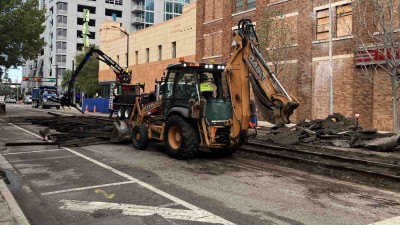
x: 246, y: 66
x: 122, y: 75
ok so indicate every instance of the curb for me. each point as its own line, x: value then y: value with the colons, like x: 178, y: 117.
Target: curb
x: 15, y: 210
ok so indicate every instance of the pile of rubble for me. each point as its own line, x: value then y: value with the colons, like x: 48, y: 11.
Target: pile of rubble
x: 335, y: 130
x: 74, y: 130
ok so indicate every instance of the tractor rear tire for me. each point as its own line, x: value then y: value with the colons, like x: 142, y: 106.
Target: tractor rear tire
x: 120, y: 113
x: 181, y: 138
x: 140, y: 138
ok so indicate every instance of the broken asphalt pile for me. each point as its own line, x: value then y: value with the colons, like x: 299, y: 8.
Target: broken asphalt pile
x: 335, y: 130
x: 75, y: 131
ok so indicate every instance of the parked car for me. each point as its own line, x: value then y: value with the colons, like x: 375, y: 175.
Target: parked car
x: 28, y: 99
x: 11, y: 100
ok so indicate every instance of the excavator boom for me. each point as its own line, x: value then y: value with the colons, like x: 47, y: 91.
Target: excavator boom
x: 246, y: 66
x: 123, y: 76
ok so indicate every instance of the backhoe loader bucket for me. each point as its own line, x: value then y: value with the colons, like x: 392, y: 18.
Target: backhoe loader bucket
x: 121, y: 132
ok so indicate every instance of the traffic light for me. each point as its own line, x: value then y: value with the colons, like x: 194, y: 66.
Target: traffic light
x: 25, y: 78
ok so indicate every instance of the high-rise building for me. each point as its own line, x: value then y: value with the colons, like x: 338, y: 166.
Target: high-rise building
x: 65, y: 25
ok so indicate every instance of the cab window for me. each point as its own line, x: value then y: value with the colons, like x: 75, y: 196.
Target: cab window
x: 186, y: 85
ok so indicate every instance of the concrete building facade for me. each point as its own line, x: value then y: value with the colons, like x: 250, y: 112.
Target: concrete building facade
x: 64, y: 27
x: 309, y: 56
x: 151, y: 49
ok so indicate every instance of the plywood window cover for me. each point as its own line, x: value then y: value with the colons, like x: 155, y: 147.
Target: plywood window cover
x: 344, y: 16
x: 322, y: 24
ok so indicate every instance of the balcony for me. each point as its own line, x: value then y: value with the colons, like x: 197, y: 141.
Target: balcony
x: 61, y: 37
x: 138, y: 8
x: 137, y: 20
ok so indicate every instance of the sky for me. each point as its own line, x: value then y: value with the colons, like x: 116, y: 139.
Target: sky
x: 14, y: 74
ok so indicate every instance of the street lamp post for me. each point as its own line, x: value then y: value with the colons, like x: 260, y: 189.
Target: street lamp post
x: 127, y: 45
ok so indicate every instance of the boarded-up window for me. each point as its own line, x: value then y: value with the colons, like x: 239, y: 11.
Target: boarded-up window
x: 217, y: 44
x: 323, y: 24
x: 344, y: 20
x: 209, y: 10
x: 208, y: 48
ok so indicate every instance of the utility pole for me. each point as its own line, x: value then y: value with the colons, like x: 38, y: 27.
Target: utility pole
x: 330, y: 62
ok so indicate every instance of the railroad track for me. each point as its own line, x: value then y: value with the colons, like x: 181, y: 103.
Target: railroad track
x: 366, y: 170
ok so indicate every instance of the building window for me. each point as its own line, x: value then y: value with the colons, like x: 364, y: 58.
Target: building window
x: 116, y: 13
x: 159, y: 52
x: 344, y: 19
x: 61, y: 34
x: 136, y: 57
x: 60, y: 71
x: 61, y: 21
x: 91, y: 35
x: 79, y: 46
x: 323, y: 24
x: 147, y: 55
x: 115, y: 2
x: 174, y: 8
x: 80, y: 21
x: 173, y: 50
x: 62, y: 8
x: 61, y: 47
x: 90, y: 8
x: 243, y: 5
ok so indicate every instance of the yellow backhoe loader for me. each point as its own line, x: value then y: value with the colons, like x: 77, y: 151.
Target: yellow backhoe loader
x: 206, y: 105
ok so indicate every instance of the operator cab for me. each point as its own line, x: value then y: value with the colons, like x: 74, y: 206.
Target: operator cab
x: 187, y: 81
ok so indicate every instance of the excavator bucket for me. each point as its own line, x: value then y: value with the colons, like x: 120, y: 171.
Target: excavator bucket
x: 121, y: 132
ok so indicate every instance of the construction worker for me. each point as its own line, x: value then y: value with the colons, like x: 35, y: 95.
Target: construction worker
x: 207, y: 88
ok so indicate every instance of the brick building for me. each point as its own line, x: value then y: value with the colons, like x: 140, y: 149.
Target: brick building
x: 151, y: 50
x: 311, y: 55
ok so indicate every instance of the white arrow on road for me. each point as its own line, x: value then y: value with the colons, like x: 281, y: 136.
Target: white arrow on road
x: 140, y: 210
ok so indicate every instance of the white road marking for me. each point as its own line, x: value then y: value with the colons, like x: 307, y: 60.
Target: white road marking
x: 86, y: 188
x: 391, y: 221
x: 27, y: 131
x: 195, y: 214
x: 139, y: 210
x: 38, y: 151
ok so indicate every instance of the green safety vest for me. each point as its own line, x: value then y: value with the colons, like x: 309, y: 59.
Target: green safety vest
x: 205, y: 87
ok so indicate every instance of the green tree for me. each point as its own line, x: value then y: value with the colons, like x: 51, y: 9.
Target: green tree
x: 87, y: 79
x: 21, y: 23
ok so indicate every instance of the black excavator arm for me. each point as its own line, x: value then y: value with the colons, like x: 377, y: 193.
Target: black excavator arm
x: 123, y: 76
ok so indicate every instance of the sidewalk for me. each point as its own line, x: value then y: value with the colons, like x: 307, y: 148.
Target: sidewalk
x: 10, y: 212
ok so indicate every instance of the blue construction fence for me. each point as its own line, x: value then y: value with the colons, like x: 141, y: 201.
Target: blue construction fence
x: 101, y: 104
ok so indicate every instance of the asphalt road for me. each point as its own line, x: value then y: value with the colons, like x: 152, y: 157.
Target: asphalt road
x: 116, y: 184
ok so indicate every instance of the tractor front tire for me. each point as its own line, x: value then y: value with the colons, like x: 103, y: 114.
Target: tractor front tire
x: 140, y: 138
x: 181, y: 138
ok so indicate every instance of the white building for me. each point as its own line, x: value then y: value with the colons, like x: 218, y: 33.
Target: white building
x: 63, y: 32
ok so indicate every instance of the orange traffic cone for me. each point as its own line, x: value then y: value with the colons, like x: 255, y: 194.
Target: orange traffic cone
x: 86, y: 110
x: 94, y: 109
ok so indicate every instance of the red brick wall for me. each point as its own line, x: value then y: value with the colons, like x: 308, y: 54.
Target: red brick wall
x: 310, y: 82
